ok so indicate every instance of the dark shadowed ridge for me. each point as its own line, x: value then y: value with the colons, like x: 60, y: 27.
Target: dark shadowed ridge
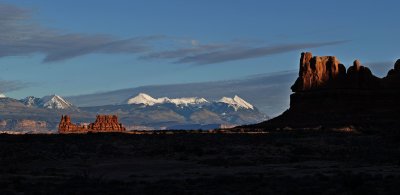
x: 327, y: 95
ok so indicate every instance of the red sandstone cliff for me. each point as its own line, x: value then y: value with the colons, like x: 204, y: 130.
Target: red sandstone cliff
x: 103, y: 123
x: 319, y: 73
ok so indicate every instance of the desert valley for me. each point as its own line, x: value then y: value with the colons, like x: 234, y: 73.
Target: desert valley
x: 199, y: 97
x: 310, y: 152
x: 141, y: 112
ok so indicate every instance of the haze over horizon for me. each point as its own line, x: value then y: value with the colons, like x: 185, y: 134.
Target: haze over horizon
x: 74, y: 47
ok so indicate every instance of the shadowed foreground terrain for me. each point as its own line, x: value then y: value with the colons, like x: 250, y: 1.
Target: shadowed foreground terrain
x: 285, y: 162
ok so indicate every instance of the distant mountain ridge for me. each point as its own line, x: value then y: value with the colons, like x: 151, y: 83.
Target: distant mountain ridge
x: 166, y: 113
x: 236, y: 102
x: 146, y: 99
x: 49, y: 102
x: 268, y: 92
x: 138, y: 112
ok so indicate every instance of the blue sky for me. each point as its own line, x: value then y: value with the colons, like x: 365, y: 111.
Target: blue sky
x: 77, y: 47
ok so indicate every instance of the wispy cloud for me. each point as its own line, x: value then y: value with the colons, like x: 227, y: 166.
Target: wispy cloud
x: 19, y: 35
x: 380, y: 69
x: 232, y: 54
x: 218, y: 53
x: 181, y: 52
x: 9, y: 86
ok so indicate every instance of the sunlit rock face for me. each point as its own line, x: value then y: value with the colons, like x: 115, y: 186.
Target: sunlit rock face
x: 326, y: 72
x: 319, y: 73
x: 103, y: 123
x: 326, y: 95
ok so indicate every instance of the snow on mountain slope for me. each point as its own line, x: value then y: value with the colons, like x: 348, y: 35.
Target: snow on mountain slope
x: 49, y: 102
x: 146, y: 99
x: 30, y: 101
x: 236, y: 102
x: 186, y: 101
x: 55, y: 102
x: 2, y: 95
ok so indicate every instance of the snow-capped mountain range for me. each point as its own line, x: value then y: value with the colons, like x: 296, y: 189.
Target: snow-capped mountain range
x: 49, y: 102
x: 141, y: 110
x: 55, y: 102
x: 59, y: 103
x: 236, y: 102
x: 187, y: 112
x: 147, y: 100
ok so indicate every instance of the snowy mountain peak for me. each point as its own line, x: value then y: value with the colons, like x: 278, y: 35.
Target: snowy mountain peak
x: 146, y: 99
x: 2, y: 95
x: 143, y: 95
x: 242, y: 102
x: 30, y: 101
x: 55, y: 102
x: 236, y: 102
x: 188, y: 100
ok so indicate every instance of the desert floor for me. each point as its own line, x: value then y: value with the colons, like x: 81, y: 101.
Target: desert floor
x: 292, y: 162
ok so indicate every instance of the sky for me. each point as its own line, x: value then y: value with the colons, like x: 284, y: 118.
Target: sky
x: 79, y: 47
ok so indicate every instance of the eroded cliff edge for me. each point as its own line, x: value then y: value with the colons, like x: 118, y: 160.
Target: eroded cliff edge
x: 325, y: 94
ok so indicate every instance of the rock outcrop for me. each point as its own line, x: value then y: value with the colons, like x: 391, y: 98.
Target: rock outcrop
x: 319, y: 73
x: 322, y: 73
x: 326, y: 95
x: 106, y: 123
x: 392, y: 80
x: 103, y: 123
x: 360, y: 77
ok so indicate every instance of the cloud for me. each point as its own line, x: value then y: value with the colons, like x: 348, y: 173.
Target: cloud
x: 19, y: 36
x: 218, y: 53
x: 181, y: 52
x: 9, y: 86
x: 380, y: 69
x: 194, y: 42
x: 240, y: 53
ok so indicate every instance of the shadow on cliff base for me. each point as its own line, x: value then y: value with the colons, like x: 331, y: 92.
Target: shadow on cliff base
x: 327, y: 96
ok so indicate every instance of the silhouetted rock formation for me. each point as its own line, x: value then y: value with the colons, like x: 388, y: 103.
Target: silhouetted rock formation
x: 326, y: 95
x: 392, y: 80
x: 360, y: 77
x: 103, y: 123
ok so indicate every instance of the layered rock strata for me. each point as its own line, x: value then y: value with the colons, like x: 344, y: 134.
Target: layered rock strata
x: 103, y: 123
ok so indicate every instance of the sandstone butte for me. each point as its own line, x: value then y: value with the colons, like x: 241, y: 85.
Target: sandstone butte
x: 325, y: 94
x: 103, y: 123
